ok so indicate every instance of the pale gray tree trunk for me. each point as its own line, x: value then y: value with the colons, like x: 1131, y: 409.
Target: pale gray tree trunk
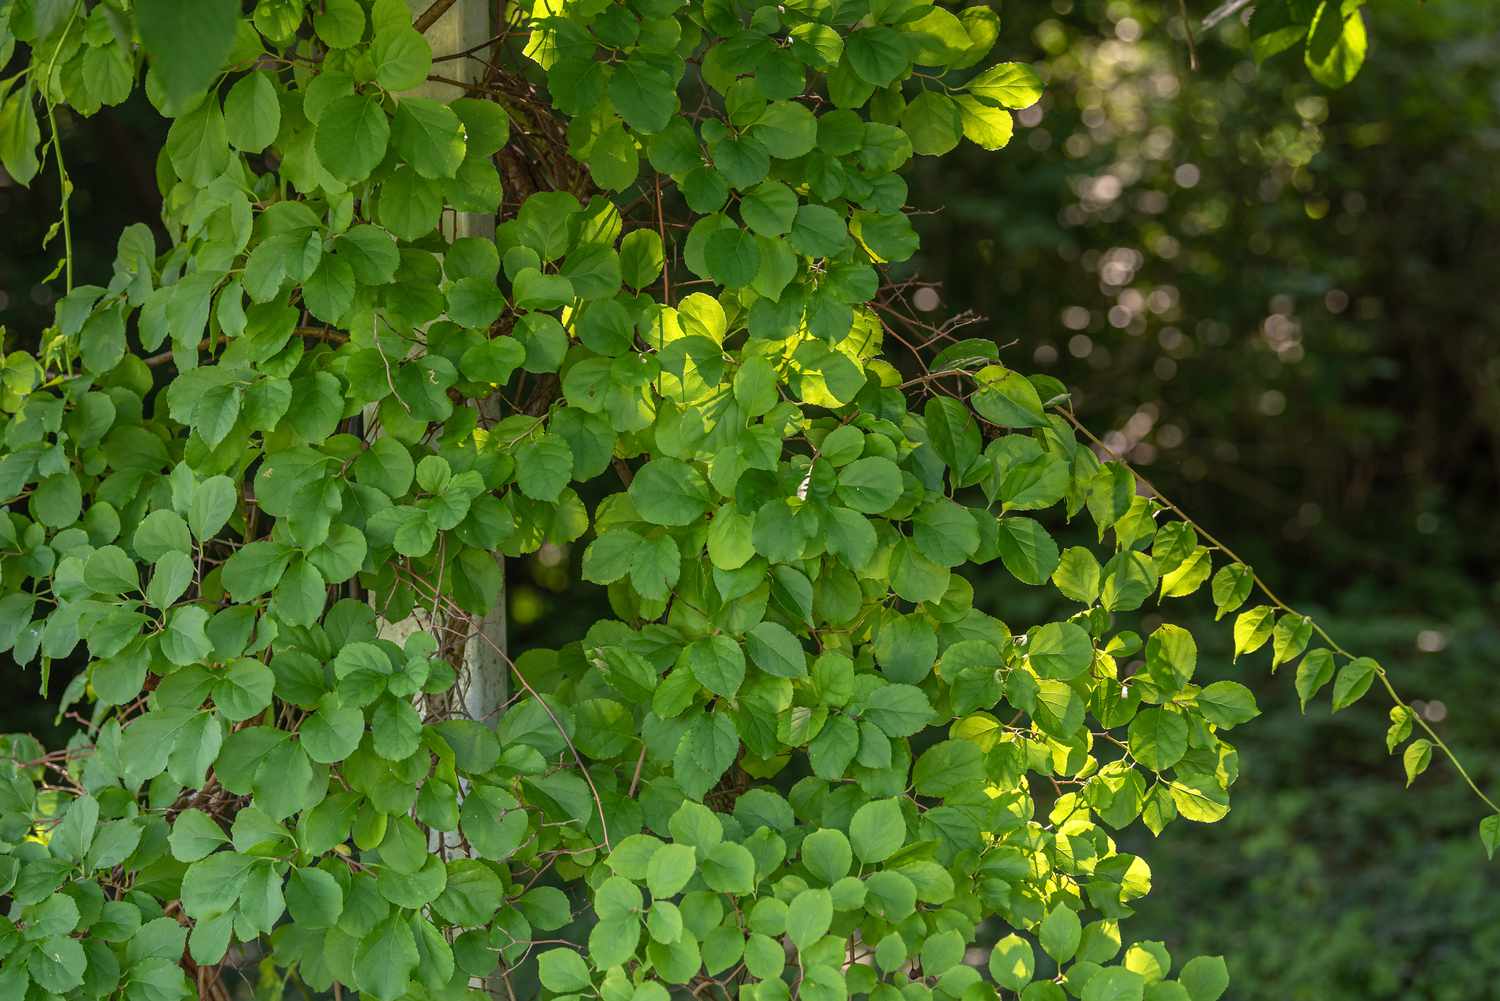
x: 483, y: 673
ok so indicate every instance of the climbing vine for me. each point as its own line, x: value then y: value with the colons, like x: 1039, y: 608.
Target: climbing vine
x: 258, y: 481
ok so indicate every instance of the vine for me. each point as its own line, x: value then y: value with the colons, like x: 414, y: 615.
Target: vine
x: 1312, y: 678
x: 258, y: 482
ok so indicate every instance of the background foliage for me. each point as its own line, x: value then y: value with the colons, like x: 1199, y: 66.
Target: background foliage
x: 1287, y: 337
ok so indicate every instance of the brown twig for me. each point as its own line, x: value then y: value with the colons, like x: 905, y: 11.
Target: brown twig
x: 562, y: 732
x: 430, y: 16
x: 666, y: 264
x: 316, y: 333
x: 1187, y: 26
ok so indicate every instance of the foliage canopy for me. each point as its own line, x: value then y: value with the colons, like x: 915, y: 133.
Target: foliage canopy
x: 797, y: 760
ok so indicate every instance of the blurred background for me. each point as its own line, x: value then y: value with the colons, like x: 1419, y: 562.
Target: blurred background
x: 1280, y: 302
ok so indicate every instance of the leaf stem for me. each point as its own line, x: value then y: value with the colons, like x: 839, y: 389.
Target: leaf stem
x: 64, y: 185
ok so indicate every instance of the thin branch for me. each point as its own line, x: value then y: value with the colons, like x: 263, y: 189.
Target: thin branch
x: 430, y: 16
x: 317, y: 333
x: 1224, y: 10
x: 449, y: 57
x: 561, y: 730
x: 1187, y: 26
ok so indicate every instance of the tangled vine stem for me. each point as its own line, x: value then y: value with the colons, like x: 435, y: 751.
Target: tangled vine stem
x: 1271, y: 596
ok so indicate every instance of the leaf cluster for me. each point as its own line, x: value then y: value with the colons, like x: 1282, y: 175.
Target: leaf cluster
x: 797, y: 759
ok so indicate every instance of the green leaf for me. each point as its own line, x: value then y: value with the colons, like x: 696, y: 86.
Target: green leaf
x: 198, y: 150
x: 707, y: 748
x: 1060, y: 933
x: 352, y: 136
x: 1252, y: 629
x: 1416, y: 758
x: 333, y: 732
x: 642, y: 257
x: 878, y: 55
x: 396, y: 729
x: 827, y: 855
x: 729, y: 868
x: 314, y: 898
x: 718, y: 664
x: 213, y: 502
x: 170, y: 580
x: 786, y: 129
x: 1336, y: 44
x: 831, y: 752
x: 1206, y: 978
x: 184, y: 641
x: 20, y: 134
x: 58, y: 500
x: 386, y: 960
x: 1489, y: 834
x: 1227, y: 704
x: 1009, y: 85
x: 544, y: 468
x: 877, y: 830
x: 1289, y: 638
x: 643, y: 95
x: 110, y: 571
x: 493, y: 821
x: 695, y: 824
x: 1078, y: 575
x: 340, y: 24
x: 776, y: 651
x: 243, y: 689
x: 187, y: 44
x: 72, y: 837
x: 613, y: 942
x: 732, y: 256
x: 255, y: 569
x: 563, y: 971
x: 1027, y: 551
x: 1007, y: 399
x: 870, y: 485
x: 402, y: 57
x: 610, y: 557
x: 669, y: 492
x: 1158, y: 738
x: 949, y: 768
x: 988, y: 127
x: 1060, y: 650
x: 195, y: 835
x: 670, y: 869
x: 809, y: 917
x: 769, y: 208
x: 906, y: 647
x: 429, y: 136
x: 1315, y: 671
x: 252, y: 113
x: 1114, y: 984
x: 898, y: 710
x: 57, y: 964
x: 1353, y: 681
x: 1200, y: 798
x: 614, y: 160
x: 1278, y: 26
x: 1012, y: 962
x: 1189, y: 574
x: 933, y: 122
x: 818, y: 231
x: 473, y: 894
x: 300, y: 594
